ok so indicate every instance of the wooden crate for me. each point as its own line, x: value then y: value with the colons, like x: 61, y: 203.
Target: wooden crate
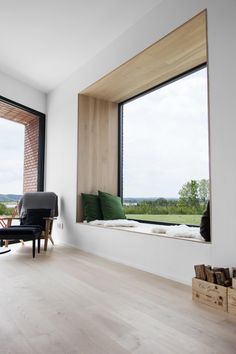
x: 210, y: 294
x: 232, y: 301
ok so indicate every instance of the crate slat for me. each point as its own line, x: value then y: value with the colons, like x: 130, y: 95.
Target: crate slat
x: 210, y: 294
x: 232, y: 301
x: 234, y: 283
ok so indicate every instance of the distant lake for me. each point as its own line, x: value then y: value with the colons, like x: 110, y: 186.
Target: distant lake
x: 10, y: 204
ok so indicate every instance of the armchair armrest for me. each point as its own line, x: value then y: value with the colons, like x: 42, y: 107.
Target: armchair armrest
x: 7, y: 220
x: 50, y: 218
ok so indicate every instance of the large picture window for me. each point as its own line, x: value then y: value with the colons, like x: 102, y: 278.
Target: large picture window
x: 165, y: 152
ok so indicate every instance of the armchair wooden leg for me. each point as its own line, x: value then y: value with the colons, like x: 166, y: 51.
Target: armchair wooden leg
x: 6, y: 243
x: 51, y: 239
x: 46, y: 242
x: 47, y: 233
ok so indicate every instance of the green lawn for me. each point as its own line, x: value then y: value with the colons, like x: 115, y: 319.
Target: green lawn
x: 178, y: 219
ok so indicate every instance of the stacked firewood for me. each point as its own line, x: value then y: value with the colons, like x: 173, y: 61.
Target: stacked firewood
x: 216, y: 275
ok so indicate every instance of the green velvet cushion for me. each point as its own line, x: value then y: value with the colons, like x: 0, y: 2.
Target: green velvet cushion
x: 111, y: 205
x: 91, y: 207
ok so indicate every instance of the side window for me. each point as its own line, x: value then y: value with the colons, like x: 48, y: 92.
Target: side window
x: 21, y: 150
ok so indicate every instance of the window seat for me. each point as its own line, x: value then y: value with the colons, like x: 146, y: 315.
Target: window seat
x: 143, y: 228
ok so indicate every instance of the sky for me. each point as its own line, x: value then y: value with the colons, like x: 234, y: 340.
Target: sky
x: 166, y: 138
x: 11, y: 157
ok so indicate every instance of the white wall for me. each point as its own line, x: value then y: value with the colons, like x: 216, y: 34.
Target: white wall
x: 21, y: 93
x: 171, y: 258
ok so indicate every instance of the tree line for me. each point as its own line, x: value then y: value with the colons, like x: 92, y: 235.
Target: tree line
x: 193, y: 198
x: 4, y: 210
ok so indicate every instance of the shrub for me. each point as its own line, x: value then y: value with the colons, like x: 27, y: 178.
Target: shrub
x: 3, y: 209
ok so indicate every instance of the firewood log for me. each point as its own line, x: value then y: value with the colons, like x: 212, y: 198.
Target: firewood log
x: 210, y: 275
x: 200, y: 271
x: 220, y: 277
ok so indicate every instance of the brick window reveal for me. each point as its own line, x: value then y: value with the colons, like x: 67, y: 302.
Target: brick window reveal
x: 31, y: 148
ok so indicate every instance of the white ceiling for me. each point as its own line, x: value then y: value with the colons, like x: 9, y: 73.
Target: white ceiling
x: 44, y: 41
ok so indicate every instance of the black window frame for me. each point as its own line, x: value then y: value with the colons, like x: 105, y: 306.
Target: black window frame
x: 41, y: 139
x: 120, y: 133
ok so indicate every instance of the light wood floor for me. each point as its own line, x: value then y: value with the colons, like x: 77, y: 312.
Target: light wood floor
x: 67, y: 301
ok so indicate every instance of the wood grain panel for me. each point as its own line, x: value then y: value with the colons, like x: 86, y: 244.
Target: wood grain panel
x: 179, y: 51
x: 210, y: 294
x: 232, y: 301
x: 97, y: 147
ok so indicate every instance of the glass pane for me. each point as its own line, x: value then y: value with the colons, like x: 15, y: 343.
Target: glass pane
x: 166, y: 154
x: 12, y: 164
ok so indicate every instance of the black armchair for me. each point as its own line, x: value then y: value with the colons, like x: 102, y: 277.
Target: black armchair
x: 37, y: 212
x: 39, y: 208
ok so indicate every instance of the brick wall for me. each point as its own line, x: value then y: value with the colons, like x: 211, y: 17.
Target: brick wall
x: 31, y: 156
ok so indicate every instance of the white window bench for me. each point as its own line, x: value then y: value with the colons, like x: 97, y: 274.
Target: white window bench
x: 144, y: 228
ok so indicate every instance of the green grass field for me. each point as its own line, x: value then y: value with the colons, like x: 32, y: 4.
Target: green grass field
x: 178, y: 219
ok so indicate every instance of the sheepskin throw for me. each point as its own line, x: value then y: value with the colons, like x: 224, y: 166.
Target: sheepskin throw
x: 179, y: 231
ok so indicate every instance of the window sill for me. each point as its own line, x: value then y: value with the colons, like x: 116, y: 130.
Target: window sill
x: 145, y: 229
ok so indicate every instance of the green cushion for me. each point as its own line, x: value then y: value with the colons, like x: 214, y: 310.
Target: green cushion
x: 91, y: 207
x: 111, y: 205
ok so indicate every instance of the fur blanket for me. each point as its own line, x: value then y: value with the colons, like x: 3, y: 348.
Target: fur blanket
x: 179, y: 231
x: 114, y: 223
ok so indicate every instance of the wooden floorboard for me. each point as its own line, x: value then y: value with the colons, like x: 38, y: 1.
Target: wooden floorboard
x: 68, y: 301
